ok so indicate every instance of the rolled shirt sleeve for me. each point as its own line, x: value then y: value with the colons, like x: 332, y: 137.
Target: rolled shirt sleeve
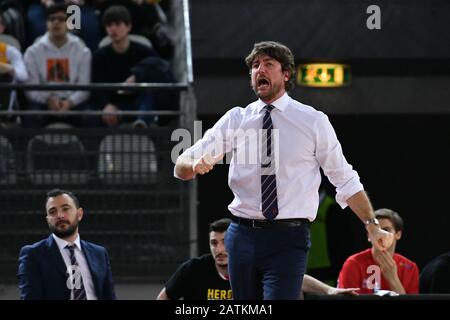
x: 330, y: 157
x: 217, y: 140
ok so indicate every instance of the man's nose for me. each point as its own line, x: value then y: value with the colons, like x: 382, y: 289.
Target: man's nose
x: 221, y: 247
x: 261, y: 70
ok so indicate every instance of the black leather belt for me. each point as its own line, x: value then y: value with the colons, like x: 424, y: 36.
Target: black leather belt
x: 281, y: 223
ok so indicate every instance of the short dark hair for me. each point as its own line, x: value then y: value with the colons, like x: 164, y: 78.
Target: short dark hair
x: 58, y: 192
x: 56, y: 7
x: 116, y: 14
x: 220, y: 225
x: 279, y: 52
x: 391, y: 215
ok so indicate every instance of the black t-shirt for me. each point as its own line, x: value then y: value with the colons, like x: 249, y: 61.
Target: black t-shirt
x: 435, y: 277
x: 112, y: 67
x: 198, y: 279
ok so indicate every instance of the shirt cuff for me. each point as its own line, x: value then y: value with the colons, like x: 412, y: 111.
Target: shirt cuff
x: 348, y: 190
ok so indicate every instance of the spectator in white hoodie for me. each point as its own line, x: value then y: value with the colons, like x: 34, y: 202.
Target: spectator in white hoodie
x: 58, y: 57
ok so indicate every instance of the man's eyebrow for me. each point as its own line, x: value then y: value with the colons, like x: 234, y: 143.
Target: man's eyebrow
x: 267, y: 58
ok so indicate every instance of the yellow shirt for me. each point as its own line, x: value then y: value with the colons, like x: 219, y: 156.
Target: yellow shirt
x: 3, y: 57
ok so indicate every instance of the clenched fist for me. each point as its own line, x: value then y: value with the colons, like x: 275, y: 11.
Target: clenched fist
x: 204, y: 164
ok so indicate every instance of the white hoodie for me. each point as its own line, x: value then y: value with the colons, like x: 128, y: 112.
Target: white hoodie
x: 47, y: 63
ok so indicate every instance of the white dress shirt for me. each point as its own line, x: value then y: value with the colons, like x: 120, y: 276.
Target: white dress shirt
x: 82, y: 264
x: 306, y: 141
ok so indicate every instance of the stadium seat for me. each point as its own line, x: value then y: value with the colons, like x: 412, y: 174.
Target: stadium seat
x: 15, y: 24
x: 57, y: 158
x: 10, y: 40
x: 127, y: 159
x: 7, y: 162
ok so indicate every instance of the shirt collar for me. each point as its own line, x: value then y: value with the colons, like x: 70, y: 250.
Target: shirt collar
x: 63, y: 243
x: 280, y: 104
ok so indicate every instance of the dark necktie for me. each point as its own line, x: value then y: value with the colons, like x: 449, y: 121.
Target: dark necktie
x: 268, y: 179
x: 78, y: 294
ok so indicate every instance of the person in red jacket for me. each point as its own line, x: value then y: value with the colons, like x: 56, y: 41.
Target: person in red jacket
x: 372, y: 270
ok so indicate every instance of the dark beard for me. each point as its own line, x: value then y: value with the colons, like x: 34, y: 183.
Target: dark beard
x: 263, y: 98
x: 65, y: 233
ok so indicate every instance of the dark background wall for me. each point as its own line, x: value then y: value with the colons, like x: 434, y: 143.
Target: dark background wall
x: 393, y: 120
x: 402, y: 68
x: 322, y: 29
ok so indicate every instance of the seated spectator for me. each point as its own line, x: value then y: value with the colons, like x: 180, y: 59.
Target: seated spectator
x: 150, y: 21
x: 90, y: 26
x: 435, y: 277
x: 11, y: 12
x: 398, y: 274
x: 12, y: 69
x: 124, y: 61
x: 64, y: 266
x: 206, y: 277
x: 58, y: 57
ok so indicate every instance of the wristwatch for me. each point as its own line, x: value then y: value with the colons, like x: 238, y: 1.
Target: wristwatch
x: 373, y: 220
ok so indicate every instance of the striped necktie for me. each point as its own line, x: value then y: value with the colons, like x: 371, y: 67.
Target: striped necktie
x: 78, y: 294
x: 269, y: 201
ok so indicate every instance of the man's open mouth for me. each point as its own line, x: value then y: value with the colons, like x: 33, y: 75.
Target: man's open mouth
x: 262, y: 82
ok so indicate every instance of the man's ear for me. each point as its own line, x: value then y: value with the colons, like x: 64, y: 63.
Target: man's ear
x: 398, y: 235
x: 287, y: 75
x: 80, y: 214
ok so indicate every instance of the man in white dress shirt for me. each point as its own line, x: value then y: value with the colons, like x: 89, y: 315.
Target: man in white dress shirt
x: 276, y: 196
x: 64, y: 267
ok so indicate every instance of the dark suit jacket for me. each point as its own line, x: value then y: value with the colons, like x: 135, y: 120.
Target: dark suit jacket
x: 42, y: 272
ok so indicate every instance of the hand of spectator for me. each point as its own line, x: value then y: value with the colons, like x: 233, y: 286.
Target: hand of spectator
x: 343, y: 291
x: 138, y: 2
x: 387, y: 264
x: 53, y: 103
x: 47, y: 3
x: 130, y: 79
x: 6, y: 68
x: 110, y: 119
x: 65, y: 105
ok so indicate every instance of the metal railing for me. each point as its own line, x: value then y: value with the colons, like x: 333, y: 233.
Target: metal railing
x: 147, y: 219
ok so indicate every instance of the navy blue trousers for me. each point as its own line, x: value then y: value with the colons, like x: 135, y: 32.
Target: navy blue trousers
x: 267, y: 264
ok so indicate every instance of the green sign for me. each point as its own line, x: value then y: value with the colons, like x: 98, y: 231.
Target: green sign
x: 323, y: 75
